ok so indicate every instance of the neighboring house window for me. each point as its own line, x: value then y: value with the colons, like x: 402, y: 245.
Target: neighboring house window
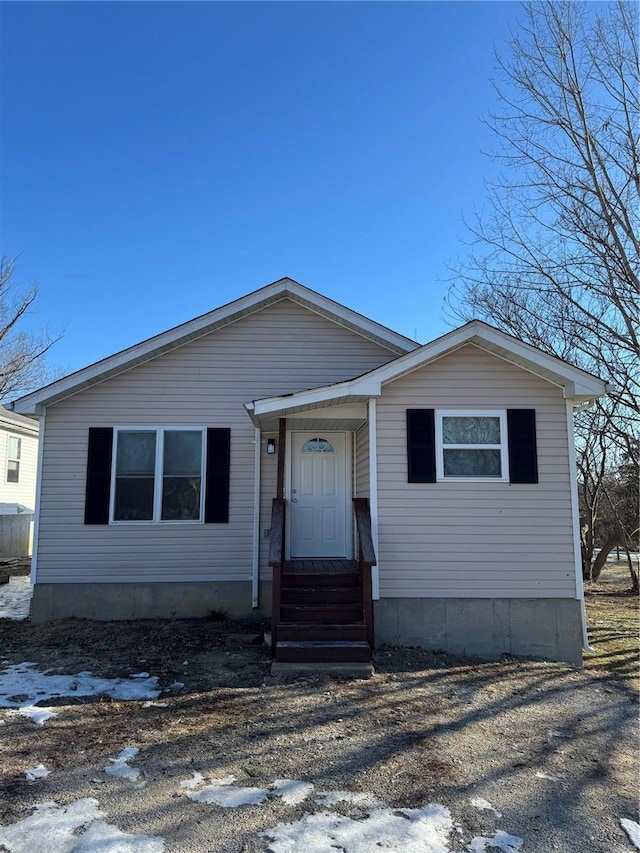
x: 158, y: 475
x: 14, y: 447
x: 471, y: 446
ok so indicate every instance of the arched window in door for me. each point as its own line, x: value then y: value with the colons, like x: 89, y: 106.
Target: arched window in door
x: 317, y: 445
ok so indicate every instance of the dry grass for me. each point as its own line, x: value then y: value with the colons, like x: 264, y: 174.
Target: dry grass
x: 614, y: 625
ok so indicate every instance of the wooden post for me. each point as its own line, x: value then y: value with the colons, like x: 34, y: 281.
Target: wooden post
x: 282, y: 440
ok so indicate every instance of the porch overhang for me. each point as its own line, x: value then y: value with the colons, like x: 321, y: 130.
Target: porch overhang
x: 342, y: 406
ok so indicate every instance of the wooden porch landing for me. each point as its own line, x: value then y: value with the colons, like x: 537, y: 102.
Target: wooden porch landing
x: 320, y: 566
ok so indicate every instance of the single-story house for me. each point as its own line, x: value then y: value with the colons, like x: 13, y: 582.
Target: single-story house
x: 18, y: 458
x: 393, y: 493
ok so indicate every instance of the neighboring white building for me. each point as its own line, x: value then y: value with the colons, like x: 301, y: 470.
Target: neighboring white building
x: 18, y: 461
x: 160, y: 465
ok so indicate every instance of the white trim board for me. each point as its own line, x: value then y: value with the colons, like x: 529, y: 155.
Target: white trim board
x: 178, y: 336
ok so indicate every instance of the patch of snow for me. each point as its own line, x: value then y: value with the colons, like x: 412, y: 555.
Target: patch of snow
x: 24, y: 679
x: 177, y: 685
x: 38, y: 715
x: 332, y: 798
x: 552, y: 777
x: 155, y: 704
x: 500, y: 841
x: 38, y: 772
x: 633, y: 831
x: 2, y: 723
x: 220, y: 792
x: 119, y: 766
x: 484, y: 806
x: 15, y: 598
x: 293, y: 793
x: 425, y: 830
x: 140, y: 675
x: 76, y: 828
x: 555, y: 733
x: 196, y: 780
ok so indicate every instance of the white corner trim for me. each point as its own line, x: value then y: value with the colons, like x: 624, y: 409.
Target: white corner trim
x: 575, y: 517
x: 36, y: 515
x: 255, y: 569
x: 373, y: 497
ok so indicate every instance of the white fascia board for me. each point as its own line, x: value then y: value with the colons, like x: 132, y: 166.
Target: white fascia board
x: 315, y: 396
x: 150, y: 348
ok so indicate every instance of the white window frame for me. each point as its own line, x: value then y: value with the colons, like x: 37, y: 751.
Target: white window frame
x: 13, y: 459
x: 157, y: 475
x: 502, y: 447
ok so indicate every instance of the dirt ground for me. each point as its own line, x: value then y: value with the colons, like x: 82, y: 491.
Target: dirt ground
x: 554, y: 750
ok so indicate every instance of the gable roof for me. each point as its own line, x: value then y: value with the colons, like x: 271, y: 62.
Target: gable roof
x: 13, y: 422
x: 577, y: 384
x: 284, y: 288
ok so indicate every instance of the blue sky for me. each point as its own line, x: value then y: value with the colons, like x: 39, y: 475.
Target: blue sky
x: 161, y: 159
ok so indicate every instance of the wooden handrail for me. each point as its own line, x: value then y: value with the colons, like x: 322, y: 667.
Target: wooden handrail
x: 276, y: 561
x: 363, y: 526
x: 366, y: 559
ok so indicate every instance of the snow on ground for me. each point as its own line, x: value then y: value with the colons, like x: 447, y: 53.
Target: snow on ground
x: 24, y: 679
x: 633, y: 831
x: 76, y: 828
x: 120, y: 767
x: 38, y: 772
x: 404, y: 831
x: 220, y: 792
x: 500, y: 841
x: 484, y: 806
x: 423, y: 830
x: 292, y: 792
x: 15, y: 598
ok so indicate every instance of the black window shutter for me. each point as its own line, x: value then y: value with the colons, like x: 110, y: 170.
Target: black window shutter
x: 523, y: 454
x: 216, y: 502
x: 421, y: 445
x: 98, y: 490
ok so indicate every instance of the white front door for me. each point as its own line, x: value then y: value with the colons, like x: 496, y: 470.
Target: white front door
x: 318, y: 495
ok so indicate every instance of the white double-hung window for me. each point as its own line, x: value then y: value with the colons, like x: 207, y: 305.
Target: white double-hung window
x: 158, y: 474
x: 14, y: 450
x: 471, y: 445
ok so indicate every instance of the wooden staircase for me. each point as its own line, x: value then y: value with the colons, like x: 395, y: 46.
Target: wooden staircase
x: 321, y: 609
x: 322, y: 618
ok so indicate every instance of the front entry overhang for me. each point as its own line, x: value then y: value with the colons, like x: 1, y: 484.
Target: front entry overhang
x: 313, y: 416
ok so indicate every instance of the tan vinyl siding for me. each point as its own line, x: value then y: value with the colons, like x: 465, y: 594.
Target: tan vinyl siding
x: 362, y: 462
x: 24, y: 491
x: 280, y: 349
x: 474, y: 539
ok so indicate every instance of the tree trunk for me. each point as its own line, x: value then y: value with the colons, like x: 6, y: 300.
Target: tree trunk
x: 601, y: 559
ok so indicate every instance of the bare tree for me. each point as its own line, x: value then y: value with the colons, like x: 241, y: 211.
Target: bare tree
x: 555, y: 260
x: 22, y: 363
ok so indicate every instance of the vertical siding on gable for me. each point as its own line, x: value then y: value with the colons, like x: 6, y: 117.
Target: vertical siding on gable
x: 278, y: 350
x: 474, y: 539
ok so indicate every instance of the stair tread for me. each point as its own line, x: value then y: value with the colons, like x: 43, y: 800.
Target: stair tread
x: 323, y: 643
x: 340, y: 625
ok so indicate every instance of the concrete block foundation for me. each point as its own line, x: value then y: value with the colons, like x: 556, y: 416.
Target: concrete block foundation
x: 549, y: 628
x: 111, y: 601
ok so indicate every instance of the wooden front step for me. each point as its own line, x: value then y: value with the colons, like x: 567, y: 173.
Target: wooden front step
x: 310, y: 651
x: 323, y: 596
x: 337, y: 579
x: 321, y: 613
x: 336, y: 631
